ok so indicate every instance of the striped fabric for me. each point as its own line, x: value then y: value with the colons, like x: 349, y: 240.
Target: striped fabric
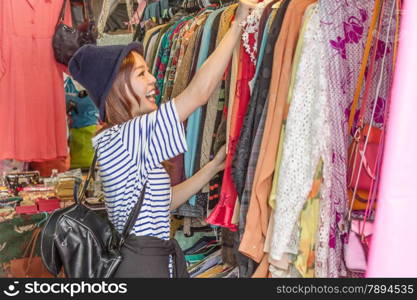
x: 131, y: 153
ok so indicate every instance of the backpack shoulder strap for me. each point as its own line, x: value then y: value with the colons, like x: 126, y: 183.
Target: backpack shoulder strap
x: 132, y: 217
x: 81, y: 194
x: 133, y: 214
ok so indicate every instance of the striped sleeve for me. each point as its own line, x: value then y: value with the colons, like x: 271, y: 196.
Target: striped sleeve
x: 168, y: 139
x: 153, y: 138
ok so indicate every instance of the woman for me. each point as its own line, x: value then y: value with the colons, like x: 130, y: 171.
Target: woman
x: 140, y: 138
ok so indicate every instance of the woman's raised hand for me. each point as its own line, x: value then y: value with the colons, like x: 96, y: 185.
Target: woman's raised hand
x: 244, y: 9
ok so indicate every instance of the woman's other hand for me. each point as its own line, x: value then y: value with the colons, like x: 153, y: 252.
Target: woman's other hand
x: 219, y: 160
x: 183, y: 191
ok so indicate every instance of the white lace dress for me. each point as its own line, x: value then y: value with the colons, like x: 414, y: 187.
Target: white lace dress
x: 303, y: 143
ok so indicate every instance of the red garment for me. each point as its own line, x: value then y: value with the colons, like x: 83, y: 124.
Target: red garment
x: 223, y: 212
x: 32, y: 104
x: 45, y: 168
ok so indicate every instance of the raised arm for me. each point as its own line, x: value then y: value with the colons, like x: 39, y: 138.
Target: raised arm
x: 208, y: 76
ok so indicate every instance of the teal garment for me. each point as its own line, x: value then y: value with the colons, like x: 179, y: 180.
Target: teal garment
x: 193, y: 122
x: 164, y: 6
x: 162, y: 61
x: 262, y: 49
x: 205, y: 40
x: 163, y: 58
x: 187, y: 242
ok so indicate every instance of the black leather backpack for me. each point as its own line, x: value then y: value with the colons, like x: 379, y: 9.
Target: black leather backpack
x: 82, y: 242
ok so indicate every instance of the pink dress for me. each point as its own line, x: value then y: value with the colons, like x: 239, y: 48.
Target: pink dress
x: 394, y: 242
x: 32, y: 104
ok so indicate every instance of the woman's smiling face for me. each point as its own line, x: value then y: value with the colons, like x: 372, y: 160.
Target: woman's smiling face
x: 143, y: 85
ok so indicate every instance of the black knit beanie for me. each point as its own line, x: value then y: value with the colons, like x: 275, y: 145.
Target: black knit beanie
x: 96, y: 67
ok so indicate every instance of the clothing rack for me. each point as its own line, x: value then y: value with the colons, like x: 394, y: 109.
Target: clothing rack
x: 169, y: 70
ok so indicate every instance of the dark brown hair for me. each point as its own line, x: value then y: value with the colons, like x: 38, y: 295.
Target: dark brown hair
x: 118, y: 105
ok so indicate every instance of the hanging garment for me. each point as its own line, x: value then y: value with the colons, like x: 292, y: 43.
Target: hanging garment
x: 258, y: 98
x: 32, y: 105
x: 281, y: 268
x: 253, y: 239
x: 150, y: 44
x: 167, y: 59
x: 176, y: 173
x: 177, y: 41
x: 163, y: 57
x: 181, y: 40
x: 309, y: 220
x: 395, y: 215
x: 344, y: 29
x: 197, y: 159
x: 297, y: 56
x: 154, y: 52
x: 149, y: 41
x: 222, y: 214
x: 283, y: 263
x: 263, y: 25
x: 219, y: 139
x: 182, y: 69
x: 240, y: 174
x: 207, y: 46
x: 193, y: 122
x: 234, y: 69
x: 246, y: 266
x: 305, y: 45
x: 303, y: 144
x: 194, y: 65
x: 219, y: 134
x: 149, y: 33
x: 385, y: 87
x: 183, y: 76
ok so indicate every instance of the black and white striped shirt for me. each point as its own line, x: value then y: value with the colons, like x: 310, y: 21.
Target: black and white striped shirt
x: 131, y: 154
